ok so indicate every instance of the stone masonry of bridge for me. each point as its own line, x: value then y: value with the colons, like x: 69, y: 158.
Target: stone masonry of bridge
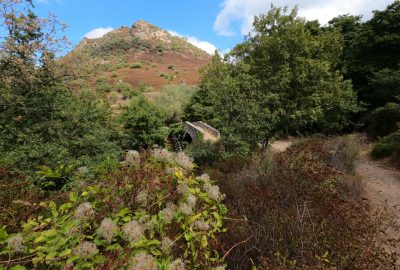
x: 195, y: 128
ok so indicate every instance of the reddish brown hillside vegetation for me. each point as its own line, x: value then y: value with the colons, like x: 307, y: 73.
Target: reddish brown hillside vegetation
x: 142, y: 55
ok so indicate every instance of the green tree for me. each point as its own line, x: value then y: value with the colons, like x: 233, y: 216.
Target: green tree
x: 282, y: 79
x: 371, y: 59
x: 172, y: 100
x: 143, y: 124
x: 41, y: 122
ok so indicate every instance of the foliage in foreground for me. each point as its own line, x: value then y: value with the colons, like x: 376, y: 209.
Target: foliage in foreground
x: 152, y: 213
x: 300, y: 210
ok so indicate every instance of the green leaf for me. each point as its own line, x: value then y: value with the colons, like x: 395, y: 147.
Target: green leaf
x: 204, y: 241
x: 65, y: 207
x: 218, y: 218
x: 66, y: 252
x: 18, y: 267
x: 3, y: 234
x: 73, y: 197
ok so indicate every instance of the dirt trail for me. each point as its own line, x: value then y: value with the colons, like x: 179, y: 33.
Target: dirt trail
x: 382, y: 187
x: 282, y: 145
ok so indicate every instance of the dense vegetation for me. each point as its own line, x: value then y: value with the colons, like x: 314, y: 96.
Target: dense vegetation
x: 263, y: 89
x: 298, y: 210
x: 86, y: 184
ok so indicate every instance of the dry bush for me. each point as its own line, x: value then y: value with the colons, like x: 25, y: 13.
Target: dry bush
x: 17, y: 197
x: 295, y: 210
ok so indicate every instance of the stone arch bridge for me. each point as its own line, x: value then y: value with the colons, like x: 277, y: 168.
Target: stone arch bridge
x: 195, y: 128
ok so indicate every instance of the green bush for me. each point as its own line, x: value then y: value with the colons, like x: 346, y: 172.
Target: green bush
x: 173, y: 99
x: 60, y: 127
x: 123, y: 87
x: 103, y: 87
x: 136, y: 65
x: 151, y: 214
x: 388, y: 146
x: 384, y: 120
x: 143, y: 124
x: 170, y: 66
x: 203, y: 152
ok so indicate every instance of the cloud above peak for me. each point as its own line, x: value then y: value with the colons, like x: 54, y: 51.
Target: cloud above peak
x: 204, y: 45
x: 98, y: 32
x: 237, y: 15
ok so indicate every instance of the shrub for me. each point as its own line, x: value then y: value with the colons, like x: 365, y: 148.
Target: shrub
x: 144, y: 88
x: 173, y: 99
x: 143, y: 124
x: 123, y: 87
x: 384, y: 120
x: 389, y: 145
x: 103, y: 87
x: 61, y: 127
x: 343, y: 152
x: 114, y: 97
x: 152, y: 214
x: 136, y: 65
x: 18, y: 198
x: 170, y: 66
x: 292, y: 211
x: 203, y: 152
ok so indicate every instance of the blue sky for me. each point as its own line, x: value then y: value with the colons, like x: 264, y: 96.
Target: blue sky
x: 207, y: 23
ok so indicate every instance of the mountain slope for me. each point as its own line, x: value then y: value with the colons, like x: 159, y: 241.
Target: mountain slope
x: 145, y: 56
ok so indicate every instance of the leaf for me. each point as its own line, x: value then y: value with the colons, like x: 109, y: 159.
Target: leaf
x: 126, y: 219
x: 18, y: 267
x: 204, y: 241
x: 39, y: 239
x: 66, y: 252
x: 51, y: 255
x: 73, y: 197
x: 188, y: 236
x: 123, y: 212
x: 3, y: 234
x: 65, y: 207
x: 114, y: 247
x: 218, y: 218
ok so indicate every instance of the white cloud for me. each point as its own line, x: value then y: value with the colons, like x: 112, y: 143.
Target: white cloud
x: 243, y: 11
x: 98, y: 32
x: 46, y: 1
x: 204, y: 45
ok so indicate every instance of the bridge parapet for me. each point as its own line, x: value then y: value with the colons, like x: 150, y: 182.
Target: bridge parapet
x: 209, y: 133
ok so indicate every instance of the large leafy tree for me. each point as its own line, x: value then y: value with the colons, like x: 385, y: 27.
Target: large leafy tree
x: 143, y: 124
x: 282, y: 79
x: 371, y: 59
x: 41, y: 122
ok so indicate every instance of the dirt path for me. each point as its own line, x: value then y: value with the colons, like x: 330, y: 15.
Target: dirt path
x: 382, y: 187
x: 282, y: 145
